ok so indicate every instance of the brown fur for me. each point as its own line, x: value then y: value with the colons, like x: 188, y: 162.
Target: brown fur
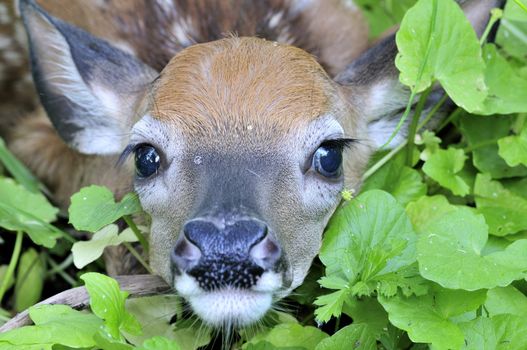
x: 206, y: 88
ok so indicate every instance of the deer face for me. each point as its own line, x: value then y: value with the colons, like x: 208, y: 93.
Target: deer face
x: 241, y: 148
x: 239, y: 164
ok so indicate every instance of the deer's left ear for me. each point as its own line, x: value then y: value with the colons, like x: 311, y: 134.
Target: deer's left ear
x: 372, y: 85
x: 89, y: 88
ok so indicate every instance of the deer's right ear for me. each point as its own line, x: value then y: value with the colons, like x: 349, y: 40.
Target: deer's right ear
x: 89, y: 88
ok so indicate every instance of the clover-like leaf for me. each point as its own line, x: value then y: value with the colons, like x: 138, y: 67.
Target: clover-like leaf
x: 514, y: 148
x: 444, y: 167
x: 94, y: 207
x: 85, y: 252
x: 504, y: 210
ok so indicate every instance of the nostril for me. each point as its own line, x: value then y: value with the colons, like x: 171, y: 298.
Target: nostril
x: 185, y: 255
x: 266, y: 253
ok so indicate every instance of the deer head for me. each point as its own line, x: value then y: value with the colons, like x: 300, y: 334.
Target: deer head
x: 241, y: 148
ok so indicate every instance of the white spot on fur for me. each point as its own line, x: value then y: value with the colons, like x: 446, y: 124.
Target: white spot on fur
x: 5, y: 42
x: 166, y: 5
x: 300, y: 5
x: 4, y: 14
x: 275, y: 19
x: 182, y: 30
x: 285, y: 37
x: 126, y: 47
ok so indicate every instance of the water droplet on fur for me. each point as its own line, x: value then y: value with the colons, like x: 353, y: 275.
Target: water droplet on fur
x: 249, y: 127
x: 198, y: 160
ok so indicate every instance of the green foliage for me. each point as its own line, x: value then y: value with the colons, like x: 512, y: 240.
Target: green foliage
x: 107, y: 302
x: 29, y: 280
x: 294, y: 336
x: 94, y: 207
x: 436, y: 41
x: 21, y: 210
x: 85, y: 252
x: 444, y: 166
x: 61, y: 325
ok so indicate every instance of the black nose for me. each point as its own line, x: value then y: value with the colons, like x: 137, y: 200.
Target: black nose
x: 231, y: 253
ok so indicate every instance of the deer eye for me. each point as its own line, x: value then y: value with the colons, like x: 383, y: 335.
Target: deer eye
x: 327, y: 160
x: 147, y: 161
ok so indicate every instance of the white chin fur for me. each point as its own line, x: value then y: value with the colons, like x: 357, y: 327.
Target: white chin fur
x: 230, y: 306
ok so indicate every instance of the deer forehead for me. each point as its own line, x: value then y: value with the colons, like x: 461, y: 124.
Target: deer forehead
x: 240, y: 84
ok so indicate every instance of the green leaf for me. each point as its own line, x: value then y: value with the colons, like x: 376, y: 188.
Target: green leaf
x: 444, y: 166
x: 482, y: 135
x: 30, y: 280
x: 426, y: 210
x: 504, y: 211
x: 366, y: 242
x: 402, y: 182
x: 159, y: 343
x: 367, y: 311
x: 431, y: 143
x: 382, y: 15
x: 355, y: 336
x: 17, y: 169
x: 514, y: 148
x: 449, y: 253
x: 436, y: 41
x: 512, y: 33
x: 499, y: 332
x: 507, y: 89
x: 21, y: 210
x: 108, y: 302
x: 427, y: 318
x: 85, y: 252
x: 506, y: 300
x: 94, y: 207
x: 54, y: 324
x: 294, y: 335
x: 331, y: 304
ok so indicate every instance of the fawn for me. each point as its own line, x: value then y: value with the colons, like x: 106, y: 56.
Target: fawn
x: 243, y: 120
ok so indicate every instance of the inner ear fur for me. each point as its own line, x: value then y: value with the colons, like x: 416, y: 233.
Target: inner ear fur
x: 89, y: 88
x: 371, y: 83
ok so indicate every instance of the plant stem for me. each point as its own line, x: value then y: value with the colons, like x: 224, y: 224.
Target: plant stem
x: 419, y: 75
x: 138, y: 256
x: 383, y: 161
x: 495, y: 16
x: 450, y: 118
x: 137, y: 232
x: 56, y: 267
x: 12, y: 264
x: 413, y: 125
x: 433, y: 111
x: 62, y: 266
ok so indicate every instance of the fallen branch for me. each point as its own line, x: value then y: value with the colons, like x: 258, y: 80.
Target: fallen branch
x: 77, y: 298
